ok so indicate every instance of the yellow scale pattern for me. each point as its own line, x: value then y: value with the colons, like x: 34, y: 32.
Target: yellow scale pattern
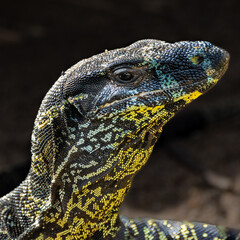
x: 136, y: 159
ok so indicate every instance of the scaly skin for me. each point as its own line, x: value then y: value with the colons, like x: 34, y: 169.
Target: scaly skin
x: 95, y: 129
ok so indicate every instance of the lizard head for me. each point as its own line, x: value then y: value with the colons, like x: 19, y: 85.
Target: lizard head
x: 123, y: 97
x: 153, y: 72
x: 99, y: 122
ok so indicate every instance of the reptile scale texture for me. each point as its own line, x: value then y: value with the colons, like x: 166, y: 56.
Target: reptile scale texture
x: 95, y: 129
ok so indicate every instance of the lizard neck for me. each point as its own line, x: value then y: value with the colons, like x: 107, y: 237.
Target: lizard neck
x: 93, y: 209
x: 89, y: 182
x: 92, y: 167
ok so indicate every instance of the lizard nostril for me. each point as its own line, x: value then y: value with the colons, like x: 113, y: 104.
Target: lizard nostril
x: 196, y: 60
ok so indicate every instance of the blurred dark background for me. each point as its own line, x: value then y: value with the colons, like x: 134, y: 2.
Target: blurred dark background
x: 194, y: 171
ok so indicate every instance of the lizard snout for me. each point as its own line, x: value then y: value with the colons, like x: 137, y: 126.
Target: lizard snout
x: 219, y: 59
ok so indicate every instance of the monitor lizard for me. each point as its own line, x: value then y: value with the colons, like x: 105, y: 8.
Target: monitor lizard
x: 95, y: 129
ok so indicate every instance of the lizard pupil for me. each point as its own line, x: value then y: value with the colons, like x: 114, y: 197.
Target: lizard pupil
x: 126, y: 76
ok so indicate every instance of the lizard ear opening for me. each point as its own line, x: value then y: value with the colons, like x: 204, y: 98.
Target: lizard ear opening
x: 76, y: 93
x: 81, y: 93
x: 74, y: 111
x: 81, y: 103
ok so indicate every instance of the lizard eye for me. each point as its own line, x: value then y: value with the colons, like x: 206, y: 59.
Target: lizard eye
x: 126, y: 75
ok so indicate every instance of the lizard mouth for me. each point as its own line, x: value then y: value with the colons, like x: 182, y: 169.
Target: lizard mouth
x: 163, y: 96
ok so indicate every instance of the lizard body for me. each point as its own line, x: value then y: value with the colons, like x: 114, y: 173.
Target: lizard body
x: 95, y: 129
